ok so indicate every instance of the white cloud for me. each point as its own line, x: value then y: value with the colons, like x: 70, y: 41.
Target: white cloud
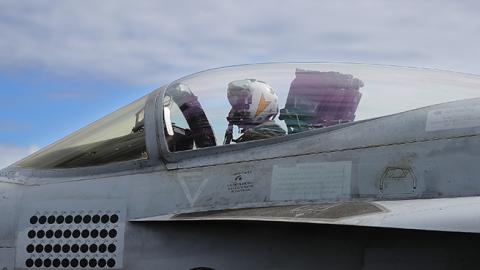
x: 9, y: 154
x: 154, y: 41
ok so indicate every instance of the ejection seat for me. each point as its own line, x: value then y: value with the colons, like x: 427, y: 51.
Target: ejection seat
x: 320, y: 99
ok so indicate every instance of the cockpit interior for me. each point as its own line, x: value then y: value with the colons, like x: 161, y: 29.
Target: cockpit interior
x: 236, y: 105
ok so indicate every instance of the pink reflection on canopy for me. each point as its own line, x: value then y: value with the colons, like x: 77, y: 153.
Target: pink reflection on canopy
x: 320, y: 99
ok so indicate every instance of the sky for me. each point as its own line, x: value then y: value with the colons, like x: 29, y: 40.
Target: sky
x: 64, y: 64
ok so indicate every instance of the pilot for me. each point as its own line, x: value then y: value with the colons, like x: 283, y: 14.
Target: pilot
x: 254, y: 107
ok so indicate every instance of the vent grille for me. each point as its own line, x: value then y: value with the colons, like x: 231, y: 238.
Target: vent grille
x: 86, y: 239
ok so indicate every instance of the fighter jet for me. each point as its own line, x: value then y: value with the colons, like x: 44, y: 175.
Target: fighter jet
x: 265, y: 166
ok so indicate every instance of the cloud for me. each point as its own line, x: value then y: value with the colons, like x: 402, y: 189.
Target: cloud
x: 156, y: 41
x: 9, y: 154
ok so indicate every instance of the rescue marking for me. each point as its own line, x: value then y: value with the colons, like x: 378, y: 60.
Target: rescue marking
x: 242, y: 182
x: 192, y: 184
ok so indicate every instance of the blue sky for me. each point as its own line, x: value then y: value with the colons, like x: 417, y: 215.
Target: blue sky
x: 63, y: 64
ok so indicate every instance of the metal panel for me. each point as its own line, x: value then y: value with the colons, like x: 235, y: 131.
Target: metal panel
x: 7, y: 258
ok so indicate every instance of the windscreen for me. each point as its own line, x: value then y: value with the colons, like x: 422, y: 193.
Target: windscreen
x: 116, y: 137
x: 257, y: 102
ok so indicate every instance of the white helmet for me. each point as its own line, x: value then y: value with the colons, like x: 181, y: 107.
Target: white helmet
x: 253, y: 102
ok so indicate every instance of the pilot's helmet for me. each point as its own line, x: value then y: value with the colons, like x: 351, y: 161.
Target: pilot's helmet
x: 253, y: 102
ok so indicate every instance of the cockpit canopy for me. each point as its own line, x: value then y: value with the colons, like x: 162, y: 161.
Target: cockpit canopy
x: 239, y: 104
x: 116, y: 137
x: 266, y: 101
